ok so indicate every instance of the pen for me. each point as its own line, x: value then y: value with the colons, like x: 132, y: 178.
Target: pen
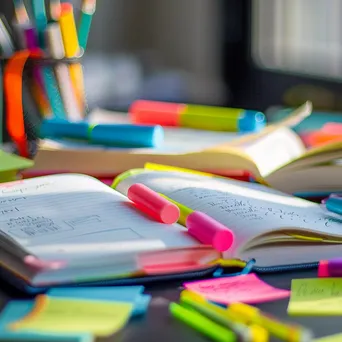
x: 39, y: 13
x: 72, y: 49
x: 286, y: 332
x: 204, y: 228
x: 55, y: 9
x: 56, y: 48
x: 118, y: 135
x: 20, y: 11
x: 6, y: 42
x: 202, y: 324
x: 245, y: 333
x: 194, y: 116
x: 88, y: 10
x: 41, y: 97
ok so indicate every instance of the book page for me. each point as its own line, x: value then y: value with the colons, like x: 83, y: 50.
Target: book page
x: 250, y: 210
x: 78, y: 215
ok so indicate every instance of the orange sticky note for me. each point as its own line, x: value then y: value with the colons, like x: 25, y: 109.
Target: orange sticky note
x: 244, y: 288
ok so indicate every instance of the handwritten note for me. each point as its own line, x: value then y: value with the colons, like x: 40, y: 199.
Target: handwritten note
x: 74, y: 315
x: 245, y: 288
x: 316, y: 297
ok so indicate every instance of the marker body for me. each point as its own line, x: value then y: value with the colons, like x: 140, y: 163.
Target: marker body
x: 195, y: 116
x: 153, y: 204
x: 209, y: 231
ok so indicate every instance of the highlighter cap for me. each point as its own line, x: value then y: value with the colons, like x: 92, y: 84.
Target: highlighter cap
x: 251, y: 121
x: 155, y: 113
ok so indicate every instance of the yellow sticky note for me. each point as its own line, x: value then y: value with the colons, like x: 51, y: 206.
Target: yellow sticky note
x: 316, y: 297
x: 75, y: 316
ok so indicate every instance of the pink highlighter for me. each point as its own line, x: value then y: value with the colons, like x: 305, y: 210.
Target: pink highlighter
x: 151, y: 203
x: 201, y: 226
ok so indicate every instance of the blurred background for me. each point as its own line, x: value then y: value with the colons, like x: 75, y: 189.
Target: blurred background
x: 242, y: 53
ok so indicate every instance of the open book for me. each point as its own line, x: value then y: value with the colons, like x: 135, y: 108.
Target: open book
x: 78, y: 230
x: 276, y: 156
x: 273, y: 227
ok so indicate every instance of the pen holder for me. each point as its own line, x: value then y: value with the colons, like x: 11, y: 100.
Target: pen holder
x: 44, y: 88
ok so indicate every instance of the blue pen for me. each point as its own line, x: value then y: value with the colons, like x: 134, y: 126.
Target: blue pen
x: 118, y: 135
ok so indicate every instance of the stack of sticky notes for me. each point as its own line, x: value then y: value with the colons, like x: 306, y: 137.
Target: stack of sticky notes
x: 72, y: 314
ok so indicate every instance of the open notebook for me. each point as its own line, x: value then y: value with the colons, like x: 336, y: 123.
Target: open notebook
x: 81, y: 230
x: 273, y: 227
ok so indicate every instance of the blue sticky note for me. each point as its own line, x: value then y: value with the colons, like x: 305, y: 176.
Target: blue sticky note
x: 141, y: 305
x: 130, y: 294
x: 122, y: 293
x: 16, y: 310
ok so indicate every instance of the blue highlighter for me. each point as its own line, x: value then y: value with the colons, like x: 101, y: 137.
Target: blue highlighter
x: 116, y: 135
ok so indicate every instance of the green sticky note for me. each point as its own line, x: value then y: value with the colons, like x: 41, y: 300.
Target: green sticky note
x: 331, y: 338
x: 10, y: 164
x: 64, y: 315
x: 316, y: 297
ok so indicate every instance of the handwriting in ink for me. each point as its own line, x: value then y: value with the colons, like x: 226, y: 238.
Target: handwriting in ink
x: 33, y: 226
x: 24, y: 190
x: 246, y: 210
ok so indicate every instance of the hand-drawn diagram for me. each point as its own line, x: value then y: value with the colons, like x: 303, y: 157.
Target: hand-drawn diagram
x: 84, y: 220
x: 33, y: 226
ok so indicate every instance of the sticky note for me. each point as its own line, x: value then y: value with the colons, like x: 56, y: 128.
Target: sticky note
x: 10, y: 164
x: 331, y: 338
x: 18, y: 309
x: 243, y: 288
x: 124, y: 293
x: 75, y: 316
x: 316, y: 297
x: 130, y: 294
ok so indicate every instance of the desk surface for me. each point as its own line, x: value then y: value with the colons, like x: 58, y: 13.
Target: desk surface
x: 158, y: 326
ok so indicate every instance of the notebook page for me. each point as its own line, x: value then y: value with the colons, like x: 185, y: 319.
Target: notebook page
x: 76, y: 214
x: 250, y: 210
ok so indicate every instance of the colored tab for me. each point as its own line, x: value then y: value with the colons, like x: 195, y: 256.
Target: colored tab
x: 209, y: 231
x: 315, y: 297
x: 151, y: 203
x: 244, y: 288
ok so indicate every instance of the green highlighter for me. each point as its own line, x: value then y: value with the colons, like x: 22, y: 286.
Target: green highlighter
x: 202, y: 324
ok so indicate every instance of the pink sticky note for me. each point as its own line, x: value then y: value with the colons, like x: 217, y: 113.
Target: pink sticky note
x: 244, y: 289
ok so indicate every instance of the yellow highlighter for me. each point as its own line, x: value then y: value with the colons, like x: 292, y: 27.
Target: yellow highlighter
x: 72, y: 49
x: 286, y: 332
x: 219, y: 315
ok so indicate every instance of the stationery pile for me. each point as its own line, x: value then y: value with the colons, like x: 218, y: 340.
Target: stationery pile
x: 72, y: 314
x: 50, y: 43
